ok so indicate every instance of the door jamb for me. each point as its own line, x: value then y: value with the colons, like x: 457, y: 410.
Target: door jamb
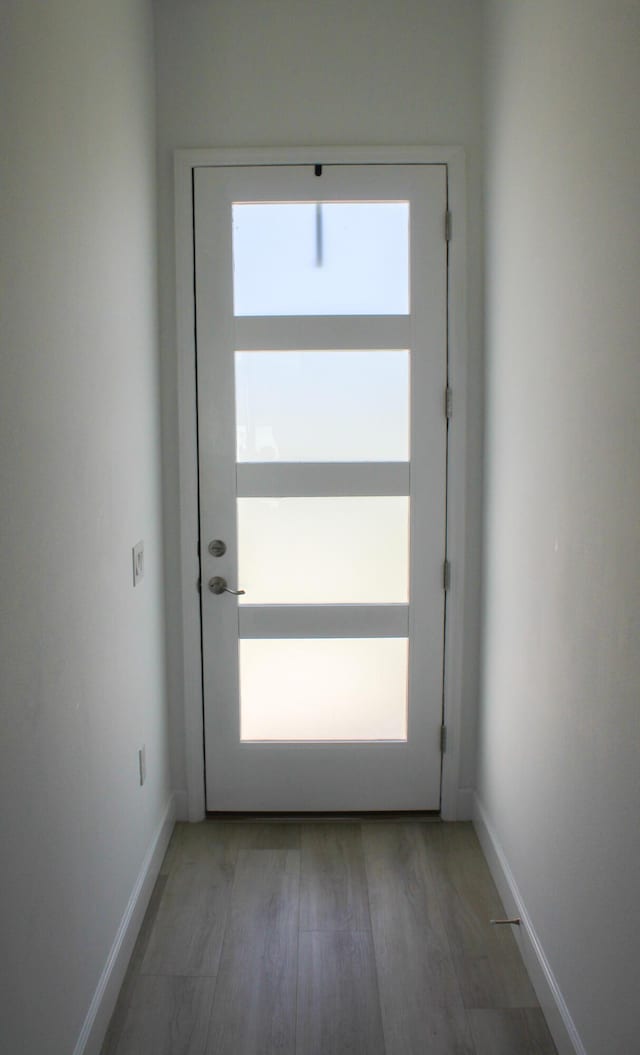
x: 185, y: 161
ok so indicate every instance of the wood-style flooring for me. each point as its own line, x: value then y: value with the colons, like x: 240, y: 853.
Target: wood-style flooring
x: 326, y: 938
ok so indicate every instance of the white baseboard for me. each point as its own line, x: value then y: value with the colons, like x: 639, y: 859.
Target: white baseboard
x: 559, y: 1020
x: 104, y: 999
x: 181, y: 801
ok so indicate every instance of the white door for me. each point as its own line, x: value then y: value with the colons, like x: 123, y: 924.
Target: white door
x: 321, y: 316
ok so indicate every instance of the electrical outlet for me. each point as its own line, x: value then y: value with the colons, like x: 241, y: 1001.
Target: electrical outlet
x: 138, y: 562
x: 142, y: 764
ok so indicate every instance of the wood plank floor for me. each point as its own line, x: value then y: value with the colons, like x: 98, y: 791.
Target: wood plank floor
x: 325, y: 938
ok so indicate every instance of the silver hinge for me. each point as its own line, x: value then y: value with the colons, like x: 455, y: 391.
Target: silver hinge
x: 446, y: 574
x: 447, y: 226
x: 443, y: 738
x: 448, y: 403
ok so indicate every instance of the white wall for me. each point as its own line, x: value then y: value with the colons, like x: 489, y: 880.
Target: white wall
x: 82, y: 653
x: 559, y: 769
x: 295, y: 73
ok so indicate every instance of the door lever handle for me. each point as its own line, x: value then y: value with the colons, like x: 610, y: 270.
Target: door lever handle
x: 219, y: 585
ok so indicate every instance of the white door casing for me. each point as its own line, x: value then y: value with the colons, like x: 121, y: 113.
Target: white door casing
x: 186, y: 645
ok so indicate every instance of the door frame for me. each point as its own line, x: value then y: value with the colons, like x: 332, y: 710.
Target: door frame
x: 185, y: 161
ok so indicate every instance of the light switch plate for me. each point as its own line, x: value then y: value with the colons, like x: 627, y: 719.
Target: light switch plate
x: 138, y: 562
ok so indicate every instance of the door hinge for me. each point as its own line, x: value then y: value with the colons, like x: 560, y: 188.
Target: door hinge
x: 443, y: 738
x: 446, y: 574
x: 447, y: 226
x: 448, y: 403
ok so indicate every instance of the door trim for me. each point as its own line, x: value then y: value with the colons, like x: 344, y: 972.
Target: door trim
x: 185, y: 161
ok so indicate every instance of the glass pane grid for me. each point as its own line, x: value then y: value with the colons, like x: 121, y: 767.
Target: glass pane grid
x: 322, y: 407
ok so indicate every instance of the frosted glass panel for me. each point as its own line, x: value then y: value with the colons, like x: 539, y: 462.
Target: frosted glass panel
x: 323, y: 689
x: 322, y: 406
x: 330, y: 258
x: 323, y: 550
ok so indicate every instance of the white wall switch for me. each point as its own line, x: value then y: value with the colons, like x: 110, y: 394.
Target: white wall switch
x: 142, y: 764
x: 138, y: 562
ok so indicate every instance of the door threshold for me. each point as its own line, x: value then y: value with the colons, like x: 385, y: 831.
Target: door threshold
x: 323, y: 816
